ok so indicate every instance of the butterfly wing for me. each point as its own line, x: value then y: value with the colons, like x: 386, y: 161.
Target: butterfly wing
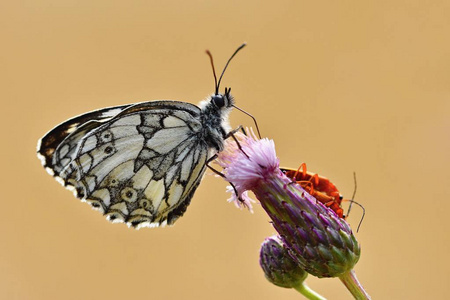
x: 76, y: 128
x: 140, y: 166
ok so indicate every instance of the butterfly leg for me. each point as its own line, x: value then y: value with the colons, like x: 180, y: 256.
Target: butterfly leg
x: 231, y: 134
x: 227, y: 135
x: 222, y: 175
x: 243, y: 131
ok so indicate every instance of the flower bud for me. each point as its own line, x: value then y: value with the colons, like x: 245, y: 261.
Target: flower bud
x: 278, y: 266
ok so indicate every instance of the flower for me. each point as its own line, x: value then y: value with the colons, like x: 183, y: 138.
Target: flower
x: 246, y: 166
x: 320, y: 242
x: 245, y: 201
x: 282, y: 270
x: 278, y: 266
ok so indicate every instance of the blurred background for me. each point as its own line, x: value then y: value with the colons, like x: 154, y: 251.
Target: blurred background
x: 344, y: 86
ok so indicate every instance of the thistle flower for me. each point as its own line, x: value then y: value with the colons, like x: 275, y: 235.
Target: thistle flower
x: 281, y: 269
x: 317, y: 239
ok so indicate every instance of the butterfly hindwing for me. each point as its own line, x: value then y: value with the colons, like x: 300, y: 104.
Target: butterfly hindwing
x: 140, y: 166
x: 75, y: 128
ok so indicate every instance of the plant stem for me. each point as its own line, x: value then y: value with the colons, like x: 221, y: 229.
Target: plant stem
x: 306, y: 291
x: 351, y: 282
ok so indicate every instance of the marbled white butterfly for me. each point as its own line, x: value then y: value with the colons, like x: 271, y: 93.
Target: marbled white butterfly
x: 139, y: 163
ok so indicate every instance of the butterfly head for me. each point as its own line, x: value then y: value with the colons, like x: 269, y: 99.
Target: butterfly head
x: 222, y: 101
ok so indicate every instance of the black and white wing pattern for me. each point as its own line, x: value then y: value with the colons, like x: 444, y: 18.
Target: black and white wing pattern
x: 139, y: 164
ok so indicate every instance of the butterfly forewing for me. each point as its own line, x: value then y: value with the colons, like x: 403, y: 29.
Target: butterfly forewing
x: 140, y: 166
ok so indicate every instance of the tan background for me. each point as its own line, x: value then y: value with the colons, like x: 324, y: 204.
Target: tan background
x: 344, y: 86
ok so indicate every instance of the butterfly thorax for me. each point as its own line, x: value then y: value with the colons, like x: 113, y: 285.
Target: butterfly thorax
x: 215, y: 119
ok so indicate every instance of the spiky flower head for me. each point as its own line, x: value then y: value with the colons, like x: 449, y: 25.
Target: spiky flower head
x: 278, y: 266
x: 321, y: 242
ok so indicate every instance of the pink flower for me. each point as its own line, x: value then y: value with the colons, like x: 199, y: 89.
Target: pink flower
x: 313, y: 235
x: 246, y: 168
x: 322, y: 243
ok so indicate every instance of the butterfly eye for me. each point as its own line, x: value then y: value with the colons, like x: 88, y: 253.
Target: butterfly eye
x: 218, y: 101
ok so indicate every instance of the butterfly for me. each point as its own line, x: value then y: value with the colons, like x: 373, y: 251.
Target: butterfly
x: 139, y: 163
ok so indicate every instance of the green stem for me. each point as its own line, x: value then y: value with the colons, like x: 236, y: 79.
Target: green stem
x: 306, y: 291
x: 351, y: 282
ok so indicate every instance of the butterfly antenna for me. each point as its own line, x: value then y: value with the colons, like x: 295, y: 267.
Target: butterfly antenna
x: 254, y: 119
x: 228, y: 62
x: 214, y: 71
x: 228, y: 91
